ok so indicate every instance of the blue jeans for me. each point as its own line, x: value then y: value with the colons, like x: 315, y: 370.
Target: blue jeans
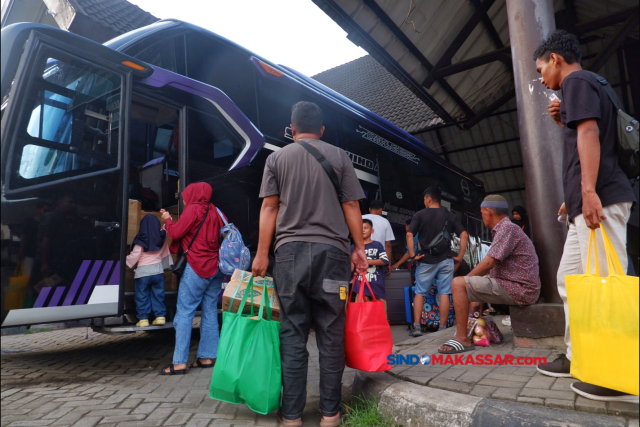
x: 440, y: 274
x: 150, y: 286
x: 195, y: 290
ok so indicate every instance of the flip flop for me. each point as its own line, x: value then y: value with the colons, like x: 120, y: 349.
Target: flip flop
x: 199, y: 364
x: 457, y: 347
x: 172, y: 370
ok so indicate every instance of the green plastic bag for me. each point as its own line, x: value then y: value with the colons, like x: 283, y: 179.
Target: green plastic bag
x: 248, y: 368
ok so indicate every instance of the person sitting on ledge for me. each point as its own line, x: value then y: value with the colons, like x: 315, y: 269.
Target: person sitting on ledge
x: 509, y: 273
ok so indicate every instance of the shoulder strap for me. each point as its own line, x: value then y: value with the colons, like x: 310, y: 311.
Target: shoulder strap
x: 446, y: 219
x: 198, y: 230
x: 607, y: 87
x: 222, y: 216
x: 324, y: 163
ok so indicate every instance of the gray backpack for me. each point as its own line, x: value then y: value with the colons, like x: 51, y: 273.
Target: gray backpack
x: 628, y: 134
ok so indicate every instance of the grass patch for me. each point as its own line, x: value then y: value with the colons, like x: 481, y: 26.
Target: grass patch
x: 365, y: 413
x: 33, y: 331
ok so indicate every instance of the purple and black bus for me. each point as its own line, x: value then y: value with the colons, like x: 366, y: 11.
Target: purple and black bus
x: 95, y: 136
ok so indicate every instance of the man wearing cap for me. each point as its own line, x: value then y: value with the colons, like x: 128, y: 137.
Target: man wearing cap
x: 509, y: 273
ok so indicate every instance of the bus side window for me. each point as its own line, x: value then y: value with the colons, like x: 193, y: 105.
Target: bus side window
x: 70, y: 124
x: 167, y: 54
x: 274, y: 104
x: 213, y: 145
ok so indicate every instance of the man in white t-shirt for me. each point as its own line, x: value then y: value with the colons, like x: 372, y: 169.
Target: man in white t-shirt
x: 381, y: 227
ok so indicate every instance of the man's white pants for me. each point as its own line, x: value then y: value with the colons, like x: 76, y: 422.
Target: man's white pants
x: 576, y: 250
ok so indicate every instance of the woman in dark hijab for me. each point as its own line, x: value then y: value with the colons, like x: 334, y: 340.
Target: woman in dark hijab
x: 521, y: 219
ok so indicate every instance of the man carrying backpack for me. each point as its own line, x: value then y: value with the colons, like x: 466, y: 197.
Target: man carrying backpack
x: 595, y: 187
x: 436, y: 262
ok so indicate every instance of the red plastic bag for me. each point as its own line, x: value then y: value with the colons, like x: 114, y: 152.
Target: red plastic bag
x: 367, y: 336
x: 481, y: 341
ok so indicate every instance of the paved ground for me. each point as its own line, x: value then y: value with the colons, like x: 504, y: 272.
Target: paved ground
x: 511, y: 383
x: 63, y: 378
x: 75, y: 377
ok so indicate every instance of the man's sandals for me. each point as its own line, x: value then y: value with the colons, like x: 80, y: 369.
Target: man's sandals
x: 456, y: 347
x: 172, y: 370
x: 196, y: 364
x: 199, y: 364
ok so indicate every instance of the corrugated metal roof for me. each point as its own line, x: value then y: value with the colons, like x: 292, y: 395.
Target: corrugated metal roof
x: 437, y: 22
x: 432, y: 26
x: 430, y: 29
x: 368, y: 83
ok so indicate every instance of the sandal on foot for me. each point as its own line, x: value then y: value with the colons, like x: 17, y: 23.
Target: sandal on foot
x: 457, y: 347
x: 199, y: 364
x: 172, y: 370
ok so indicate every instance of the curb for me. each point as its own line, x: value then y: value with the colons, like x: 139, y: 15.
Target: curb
x: 414, y: 405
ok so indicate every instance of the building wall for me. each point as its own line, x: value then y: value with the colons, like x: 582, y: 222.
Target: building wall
x: 14, y: 11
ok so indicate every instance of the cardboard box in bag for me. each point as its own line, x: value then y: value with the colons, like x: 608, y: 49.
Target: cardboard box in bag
x: 135, y: 216
x: 236, y: 288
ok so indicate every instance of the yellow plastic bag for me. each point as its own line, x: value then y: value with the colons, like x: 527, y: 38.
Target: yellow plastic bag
x: 604, y: 321
x: 17, y: 289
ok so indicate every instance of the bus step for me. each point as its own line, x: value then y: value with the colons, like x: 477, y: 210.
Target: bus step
x: 129, y: 329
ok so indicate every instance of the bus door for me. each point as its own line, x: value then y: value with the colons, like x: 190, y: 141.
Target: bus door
x: 65, y: 138
x: 153, y: 172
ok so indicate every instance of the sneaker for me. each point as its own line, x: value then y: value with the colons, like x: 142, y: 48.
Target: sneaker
x: 594, y: 392
x: 559, y: 368
x: 334, y: 421
x: 159, y: 321
x: 282, y: 421
x: 416, y: 331
x: 143, y: 323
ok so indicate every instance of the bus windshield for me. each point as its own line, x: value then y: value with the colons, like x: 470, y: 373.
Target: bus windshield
x: 70, y: 121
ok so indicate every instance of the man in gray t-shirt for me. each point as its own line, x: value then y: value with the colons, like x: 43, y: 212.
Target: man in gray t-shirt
x: 311, y: 220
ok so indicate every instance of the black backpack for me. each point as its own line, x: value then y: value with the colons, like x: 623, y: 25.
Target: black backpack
x: 441, y: 242
x: 628, y: 134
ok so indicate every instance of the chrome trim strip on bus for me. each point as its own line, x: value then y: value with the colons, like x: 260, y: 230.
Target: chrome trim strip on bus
x: 271, y: 147
x: 32, y: 316
x: 364, y: 176
x: 247, y: 140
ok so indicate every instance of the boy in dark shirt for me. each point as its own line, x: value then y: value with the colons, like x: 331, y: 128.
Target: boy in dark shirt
x: 377, y: 258
x: 596, y: 189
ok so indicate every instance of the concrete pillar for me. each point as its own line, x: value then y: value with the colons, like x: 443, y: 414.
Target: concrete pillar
x: 540, y: 138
